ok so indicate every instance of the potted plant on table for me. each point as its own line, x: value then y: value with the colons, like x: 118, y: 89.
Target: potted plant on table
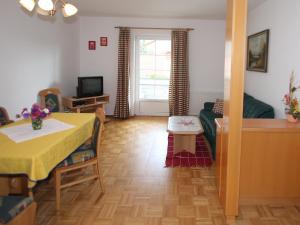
x: 37, y: 114
x: 291, y: 102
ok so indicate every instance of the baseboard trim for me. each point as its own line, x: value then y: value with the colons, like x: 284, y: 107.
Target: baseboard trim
x: 268, y: 201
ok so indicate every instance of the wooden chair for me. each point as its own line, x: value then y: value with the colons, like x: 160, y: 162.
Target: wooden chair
x: 85, y: 156
x: 17, y: 210
x: 51, y: 98
x: 4, y: 118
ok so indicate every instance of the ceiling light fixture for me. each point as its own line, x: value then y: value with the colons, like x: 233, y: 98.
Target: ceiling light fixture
x: 28, y: 4
x: 48, y: 7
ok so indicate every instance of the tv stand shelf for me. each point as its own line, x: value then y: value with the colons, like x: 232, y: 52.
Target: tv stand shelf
x: 87, y: 104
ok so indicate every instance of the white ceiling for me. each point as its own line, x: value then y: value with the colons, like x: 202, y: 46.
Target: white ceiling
x: 200, y: 9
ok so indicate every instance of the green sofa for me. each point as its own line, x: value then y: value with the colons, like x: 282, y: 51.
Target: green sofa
x: 253, y: 108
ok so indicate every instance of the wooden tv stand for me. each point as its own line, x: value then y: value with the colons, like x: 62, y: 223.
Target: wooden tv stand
x: 88, y: 104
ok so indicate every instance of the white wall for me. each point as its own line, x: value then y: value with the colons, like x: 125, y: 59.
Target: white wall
x: 283, y: 20
x: 206, y: 54
x: 35, y: 54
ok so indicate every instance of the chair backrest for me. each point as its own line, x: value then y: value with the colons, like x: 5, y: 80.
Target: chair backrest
x: 51, y: 98
x: 4, y: 118
x: 98, y: 130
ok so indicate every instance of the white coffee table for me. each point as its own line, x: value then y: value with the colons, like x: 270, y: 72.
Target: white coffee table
x: 184, y: 129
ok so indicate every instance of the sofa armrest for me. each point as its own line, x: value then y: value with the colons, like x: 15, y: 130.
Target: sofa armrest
x: 254, y: 108
x: 209, y: 106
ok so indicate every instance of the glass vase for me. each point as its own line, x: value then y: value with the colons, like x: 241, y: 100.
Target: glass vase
x: 37, y: 123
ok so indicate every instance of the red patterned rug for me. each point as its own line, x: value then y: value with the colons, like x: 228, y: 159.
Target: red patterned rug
x: 202, y: 158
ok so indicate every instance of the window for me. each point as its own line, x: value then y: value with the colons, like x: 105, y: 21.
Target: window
x: 153, y: 64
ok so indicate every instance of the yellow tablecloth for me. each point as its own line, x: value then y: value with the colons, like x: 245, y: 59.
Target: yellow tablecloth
x: 37, y: 157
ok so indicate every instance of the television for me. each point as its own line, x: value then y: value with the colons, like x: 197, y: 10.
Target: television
x: 90, y: 86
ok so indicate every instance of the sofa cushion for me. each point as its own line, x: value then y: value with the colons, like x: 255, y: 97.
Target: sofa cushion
x: 11, y: 206
x: 218, y: 106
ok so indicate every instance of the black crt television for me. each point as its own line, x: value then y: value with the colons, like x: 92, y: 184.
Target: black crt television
x: 90, y: 86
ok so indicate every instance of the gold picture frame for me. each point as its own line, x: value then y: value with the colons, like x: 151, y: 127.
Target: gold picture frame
x: 258, y: 51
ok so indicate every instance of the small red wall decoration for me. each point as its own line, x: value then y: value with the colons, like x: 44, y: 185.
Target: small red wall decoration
x: 92, y: 45
x: 103, y: 41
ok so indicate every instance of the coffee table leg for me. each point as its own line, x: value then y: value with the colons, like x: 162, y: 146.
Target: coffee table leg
x: 184, y: 142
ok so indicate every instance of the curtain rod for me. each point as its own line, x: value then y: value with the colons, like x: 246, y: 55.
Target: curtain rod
x: 157, y: 28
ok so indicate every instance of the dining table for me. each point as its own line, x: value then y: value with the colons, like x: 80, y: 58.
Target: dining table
x: 35, y: 153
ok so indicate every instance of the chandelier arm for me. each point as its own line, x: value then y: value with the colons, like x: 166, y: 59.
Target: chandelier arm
x: 55, y: 2
x: 63, y: 2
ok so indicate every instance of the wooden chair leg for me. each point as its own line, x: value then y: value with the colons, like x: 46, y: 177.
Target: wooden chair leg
x: 57, y: 189
x: 30, y: 192
x: 100, y: 176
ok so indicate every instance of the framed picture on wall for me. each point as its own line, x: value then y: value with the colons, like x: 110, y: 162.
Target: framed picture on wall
x: 257, y: 51
x: 103, y: 41
x: 92, y: 45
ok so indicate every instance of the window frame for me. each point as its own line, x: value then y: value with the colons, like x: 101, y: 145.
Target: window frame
x: 137, y: 63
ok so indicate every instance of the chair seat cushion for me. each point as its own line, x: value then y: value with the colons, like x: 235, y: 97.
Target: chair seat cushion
x: 81, y: 154
x: 11, y: 206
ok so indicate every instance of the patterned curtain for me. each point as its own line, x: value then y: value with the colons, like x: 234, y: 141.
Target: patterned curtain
x: 122, y: 101
x: 179, y: 90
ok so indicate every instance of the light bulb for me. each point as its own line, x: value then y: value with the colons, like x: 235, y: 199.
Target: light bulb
x: 46, y: 4
x: 27, y: 4
x: 69, y: 10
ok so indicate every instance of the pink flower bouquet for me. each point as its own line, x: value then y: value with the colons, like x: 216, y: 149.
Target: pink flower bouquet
x: 36, y: 114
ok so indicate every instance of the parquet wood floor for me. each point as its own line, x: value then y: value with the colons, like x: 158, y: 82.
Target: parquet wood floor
x: 140, y: 191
